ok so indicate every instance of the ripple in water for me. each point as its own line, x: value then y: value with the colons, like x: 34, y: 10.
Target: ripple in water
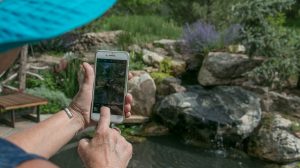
x: 164, y: 152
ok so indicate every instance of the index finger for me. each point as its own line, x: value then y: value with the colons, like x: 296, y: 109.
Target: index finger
x: 104, y: 118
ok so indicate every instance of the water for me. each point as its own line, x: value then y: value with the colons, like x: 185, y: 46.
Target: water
x: 166, y: 152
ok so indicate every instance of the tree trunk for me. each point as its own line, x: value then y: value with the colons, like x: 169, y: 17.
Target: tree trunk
x: 22, y: 71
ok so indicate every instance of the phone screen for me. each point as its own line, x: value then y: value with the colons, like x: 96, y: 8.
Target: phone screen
x: 110, y: 85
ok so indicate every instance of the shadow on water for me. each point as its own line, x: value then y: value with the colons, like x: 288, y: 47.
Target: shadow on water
x: 165, y: 152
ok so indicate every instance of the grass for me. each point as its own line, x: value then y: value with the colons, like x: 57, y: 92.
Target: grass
x: 140, y: 29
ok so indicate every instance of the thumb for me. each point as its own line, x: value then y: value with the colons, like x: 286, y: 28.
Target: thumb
x: 83, y: 144
x: 89, y: 75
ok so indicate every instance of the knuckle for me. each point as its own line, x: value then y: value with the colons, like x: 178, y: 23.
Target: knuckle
x: 129, y: 148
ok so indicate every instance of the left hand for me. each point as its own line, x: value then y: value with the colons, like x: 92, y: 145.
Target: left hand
x: 83, y: 99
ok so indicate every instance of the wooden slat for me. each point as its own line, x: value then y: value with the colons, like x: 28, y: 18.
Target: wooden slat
x: 20, y: 100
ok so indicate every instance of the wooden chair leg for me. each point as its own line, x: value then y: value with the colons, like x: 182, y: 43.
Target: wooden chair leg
x: 32, y: 118
x: 12, y: 118
x: 38, y: 114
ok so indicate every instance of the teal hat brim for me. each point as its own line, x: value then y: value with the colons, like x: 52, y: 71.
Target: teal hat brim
x: 27, y: 21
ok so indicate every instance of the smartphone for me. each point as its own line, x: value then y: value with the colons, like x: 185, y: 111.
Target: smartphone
x: 110, y: 86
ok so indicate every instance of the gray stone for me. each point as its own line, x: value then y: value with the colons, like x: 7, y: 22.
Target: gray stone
x: 169, y: 86
x: 275, y: 141
x: 143, y: 90
x: 171, y: 46
x: 221, y: 68
x: 152, y: 58
x: 231, y: 111
x: 284, y: 103
x: 178, y: 67
x: 135, y: 48
x: 154, y: 129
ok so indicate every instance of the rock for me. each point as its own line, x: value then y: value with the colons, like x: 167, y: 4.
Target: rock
x: 160, y: 51
x: 178, y: 67
x: 135, y: 119
x: 93, y: 40
x: 237, y: 48
x: 220, y: 68
x: 171, y: 46
x: 152, y: 58
x: 169, y: 86
x: 231, y: 111
x: 154, y: 129
x: 135, y: 48
x: 143, y: 90
x: 284, y: 103
x: 275, y: 140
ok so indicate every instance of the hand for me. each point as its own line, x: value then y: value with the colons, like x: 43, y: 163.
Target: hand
x: 84, y: 96
x: 108, y: 149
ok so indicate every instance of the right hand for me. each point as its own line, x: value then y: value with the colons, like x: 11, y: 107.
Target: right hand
x: 108, y: 149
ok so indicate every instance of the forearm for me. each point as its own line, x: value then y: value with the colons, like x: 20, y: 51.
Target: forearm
x: 47, y: 137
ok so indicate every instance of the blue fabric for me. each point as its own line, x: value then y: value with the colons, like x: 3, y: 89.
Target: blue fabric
x: 11, y: 155
x: 27, y: 21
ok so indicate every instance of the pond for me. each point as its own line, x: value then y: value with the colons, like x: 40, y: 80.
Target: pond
x: 167, y: 152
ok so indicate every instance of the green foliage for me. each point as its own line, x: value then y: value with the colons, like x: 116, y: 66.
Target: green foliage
x: 259, y: 35
x: 276, y: 72
x: 295, y: 127
x: 137, y: 6
x: 67, y: 80
x: 159, y: 76
x: 136, y: 61
x: 263, y: 34
x: 165, y: 66
x: 124, y: 40
x: 216, y: 12
x: 140, y: 29
x: 57, y: 99
x: 48, y: 82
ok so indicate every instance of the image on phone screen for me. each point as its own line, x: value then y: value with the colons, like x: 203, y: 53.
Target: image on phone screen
x: 110, y: 85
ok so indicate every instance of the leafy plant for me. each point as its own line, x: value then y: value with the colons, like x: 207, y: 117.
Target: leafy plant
x: 67, y: 80
x: 136, y: 61
x: 159, y: 76
x: 263, y: 34
x: 57, y: 99
x: 259, y: 34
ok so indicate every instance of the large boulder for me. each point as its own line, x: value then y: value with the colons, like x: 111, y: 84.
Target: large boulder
x: 276, y: 140
x: 220, y: 68
x: 229, y: 111
x: 143, y: 90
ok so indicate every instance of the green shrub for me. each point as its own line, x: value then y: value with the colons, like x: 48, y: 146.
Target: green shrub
x: 159, y: 76
x: 165, y: 66
x: 57, y: 99
x: 67, y: 80
x: 140, y: 29
x: 263, y: 34
x: 136, y: 61
x: 216, y: 12
x: 259, y: 34
x: 136, y: 6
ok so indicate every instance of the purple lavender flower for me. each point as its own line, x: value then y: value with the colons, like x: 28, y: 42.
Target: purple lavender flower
x: 199, y: 36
